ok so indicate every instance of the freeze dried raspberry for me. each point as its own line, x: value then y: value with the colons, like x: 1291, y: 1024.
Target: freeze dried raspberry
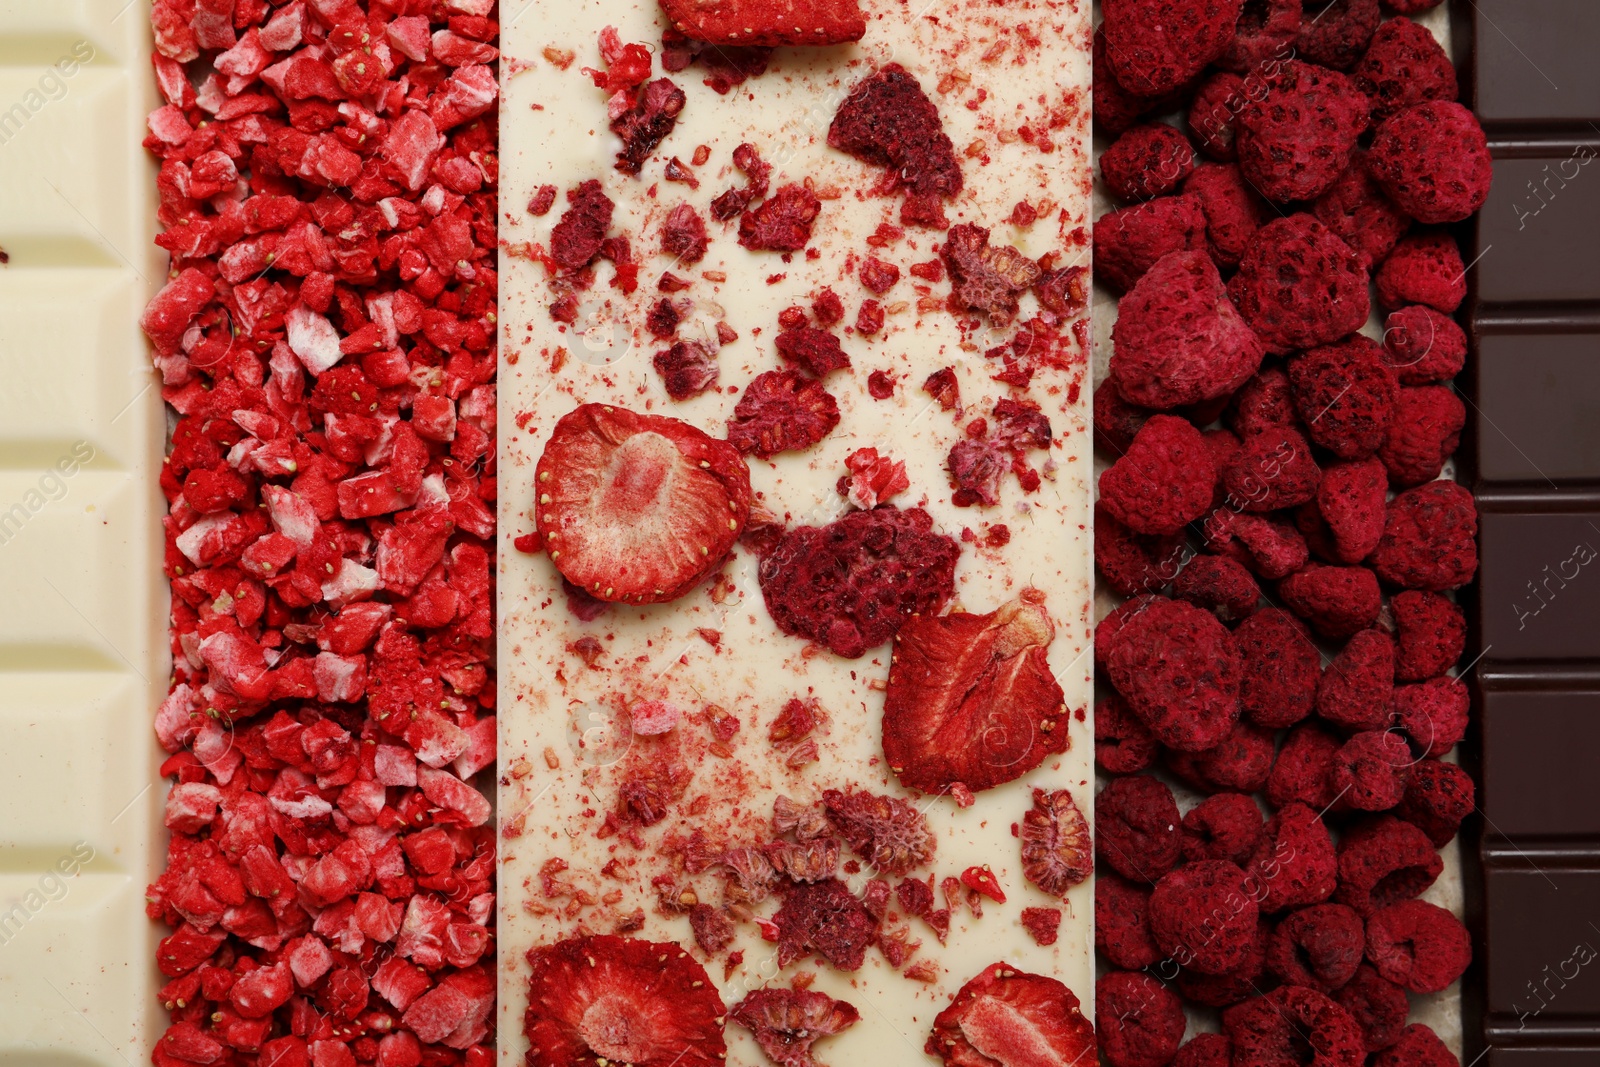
x: 1115, y: 420
x: 1296, y: 139
x: 1385, y: 861
x: 1318, y: 947
x: 1295, y: 864
x: 1148, y: 161
x: 1108, y: 630
x: 1005, y: 1012
x: 1299, y: 286
x: 1115, y: 109
x: 1122, y: 745
x: 1225, y: 826
x: 1129, y: 242
x: 1178, y: 670
x: 1137, y: 831
x: 1205, y: 1050
x: 1418, y: 946
x: 713, y: 930
x: 877, y: 276
x: 1438, y: 797
x: 782, y: 222
x: 1404, y: 66
x: 575, y: 241
x: 1429, y: 539
x: 683, y: 235
x: 1163, y: 482
x: 1201, y: 916
x: 787, y: 1022
x: 180, y: 301
x: 888, y: 121
x: 1361, y: 214
x: 826, y: 918
x: 1219, y: 585
x: 1378, y: 1006
x: 1042, y: 924
x: 971, y: 699
x: 1264, y: 402
x: 852, y: 584
x: 1056, y: 850
x: 1357, y: 688
x: 1122, y: 926
x: 646, y: 122
x: 1423, y: 434
x: 1337, y: 36
x: 1233, y: 210
x: 985, y: 277
x: 1369, y: 771
x: 620, y: 999
x: 1433, y: 161
x: 1223, y: 445
x: 1140, y: 1020
x: 1417, y: 1046
x: 687, y: 369
x: 1336, y: 601
x: 1221, y: 990
x: 1430, y: 634
x: 1133, y: 563
x: 1212, y: 114
x: 1263, y: 37
x: 1178, y: 339
x: 1345, y: 394
x: 814, y: 351
x: 782, y: 411
x: 1274, y: 1029
x: 1156, y: 46
x: 756, y: 22
x: 1425, y: 268
x: 891, y: 835
x: 1351, y: 500
x: 1272, y: 470
x: 1300, y: 771
x: 1240, y: 761
x: 1279, y: 668
x: 1423, y: 346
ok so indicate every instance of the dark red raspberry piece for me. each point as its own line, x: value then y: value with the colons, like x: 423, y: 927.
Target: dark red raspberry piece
x: 887, y: 120
x: 687, y: 369
x: 1295, y: 864
x: 782, y: 222
x: 1418, y: 946
x: 1136, y: 830
x: 1404, y: 66
x: 1042, y: 924
x: 1001, y: 1003
x: 1378, y: 1006
x: 1219, y: 585
x: 1300, y: 771
x: 1273, y: 470
x: 1122, y: 745
x: 824, y: 917
x: 647, y: 123
x: 814, y: 351
x: 1268, y: 545
x: 1369, y: 771
x: 1352, y: 501
x: 1115, y: 420
x: 888, y: 833
x: 1108, y: 629
x: 1357, y: 689
x: 1057, y: 853
x: 1360, y: 213
x: 1133, y: 563
x: 1423, y: 434
x: 1265, y: 402
x: 1319, y: 947
x: 1128, y: 242
x: 1212, y: 114
x: 1241, y: 761
x: 1178, y: 339
x: 1429, y: 538
x: 1206, y: 1050
x: 782, y: 411
x: 1221, y: 990
x: 1292, y: 1024
x: 1345, y: 394
x: 1150, y: 160
x: 1122, y: 922
x: 1297, y: 137
x: 1115, y: 109
x: 575, y: 241
x: 1339, y: 34
x: 1226, y: 826
x: 1176, y: 666
x: 985, y: 277
x: 1411, y: 7
x: 1163, y: 482
x: 1223, y: 444
x: 1430, y: 634
x: 1156, y: 46
x: 1299, y: 286
x: 1336, y: 601
x: 1233, y: 210
x: 1201, y: 916
x: 1383, y: 861
x: 1425, y: 268
x: 1140, y: 1021
x: 1423, y: 346
x: 1266, y: 32
x: 787, y: 1022
x: 1433, y: 161
x: 1437, y: 798
x: 683, y: 235
x: 1279, y: 668
x: 1418, y: 1046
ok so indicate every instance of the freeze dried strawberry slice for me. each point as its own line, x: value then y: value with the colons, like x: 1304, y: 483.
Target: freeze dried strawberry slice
x: 782, y: 411
x: 1057, y: 853
x: 638, y: 508
x: 767, y: 22
x: 787, y: 1022
x: 888, y: 833
x: 971, y: 698
x: 604, y: 998
x: 1008, y: 1017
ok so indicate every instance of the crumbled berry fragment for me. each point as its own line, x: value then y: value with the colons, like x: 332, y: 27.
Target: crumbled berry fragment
x: 1002, y: 1009
x: 787, y: 1022
x: 782, y: 411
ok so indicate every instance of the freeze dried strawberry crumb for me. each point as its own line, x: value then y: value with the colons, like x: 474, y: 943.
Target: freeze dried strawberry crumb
x: 869, y: 320
x: 1056, y: 850
x: 879, y: 277
x: 943, y: 387
x: 887, y: 120
x: 985, y: 277
x: 827, y: 307
x: 982, y: 880
x: 880, y: 385
x: 1002, y: 1006
x: 814, y: 351
x: 782, y: 411
x: 687, y: 369
x: 683, y: 235
x: 873, y: 479
x: 575, y: 240
x: 1042, y: 924
x: 787, y: 1022
x: 544, y: 198
x: 782, y: 222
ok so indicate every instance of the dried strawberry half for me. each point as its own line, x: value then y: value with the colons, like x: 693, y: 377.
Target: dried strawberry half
x: 787, y: 1022
x: 623, y: 1000
x: 971, y: 699
x: 1008, y: 1017
x: 1057, y: 853
x: 762, y: 22
x: 638, y: 508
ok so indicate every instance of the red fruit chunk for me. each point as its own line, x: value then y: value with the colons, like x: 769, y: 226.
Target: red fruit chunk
x: 1300, y: 772
x: 1233, y: 210
x: 1057, y: 853
x: 1163, y: 482
x: 1212, y: 113
x: 1137, y: 831
x: 646, y: 123
x: 985, y: 277
x: 1423, y: 346
x: 1404, y: 66
x: 1155, y: 46
x: 1140, y: 1020
x: 1131, y: 563
x: 1378, y: 1006
x: 1339, y: 34
x: 1299, y: 286
x: 1263, y: 38
x: 1042, y: 924
x: 1272, y: 470
x: 1345, y: 394
x: 1295, y: 864
x: 982, y: 880
x: 1418, y: 946
x: 1361, y: 214
x: 891, y: 835
x: 683, y: 235
x: 1418, y: 1046
x: 637, y: 507
x: 1221, y: 990
x: 1149, y: 160
x: 1226, y: 826
x: 1004, y: 1015
x: 1296, y: 139
x: 1265, y: 402
x: 1201, y: 916
x: 1178, y: 339
x: 1351, y: 500
x: 1425, y: 268
x: 1292, y: 1024
x: 787, y: 1022
x: 1336, y: 601
x: 877, y: 276
x: 782, y: 222
x: 1437, y: 798
x: 1206, y: 1050
x: 1369, y: 771
x: 1122, y: 924
x: 1411, y: 7
x: 757, y: 22
x: 1431, y: 633
x: 687, y: 369
x: 1279, y: 668
x: 971, y: 698
x: 1433, y: 161
x: 1122, y: 745
x: 782, y: 411
x: 826, y: 918
x: 814, y: 351
x: 1219, y: 585
x: 1129, y: 242
x: 1423, y: 434
x: 620, y: 999
x: 575, y: 241
x: 1358, y: 686
x: 1240, y: 761
x: 1429, y: 539
x: 1385, y: 861
x: 169, y: 314
x: 887, y: 120
x: 1177, y: 667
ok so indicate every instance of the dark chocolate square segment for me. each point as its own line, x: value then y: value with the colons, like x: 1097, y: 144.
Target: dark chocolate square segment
x: 1544, y: 945
x: 1536, y: 61
x: 1539, y: 751
x: 1539, y: 231
x: 1538, y: 408
x: 1540, y: 594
